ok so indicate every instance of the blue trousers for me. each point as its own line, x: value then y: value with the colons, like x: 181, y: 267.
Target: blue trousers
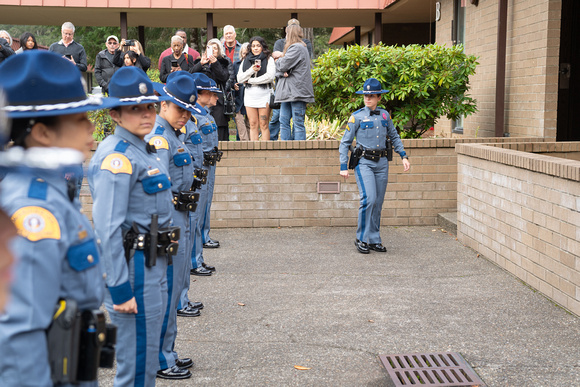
x: 296, y: 111
x: 177, y: 278
x: 275, y: 125
x: 372, y: 178
x: 205, y: 221
x: 137, y: 349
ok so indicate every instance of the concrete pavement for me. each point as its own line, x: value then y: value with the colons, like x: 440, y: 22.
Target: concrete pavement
x: 306, y: 297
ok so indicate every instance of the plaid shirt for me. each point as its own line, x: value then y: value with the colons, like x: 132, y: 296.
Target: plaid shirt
x: 234, y: 52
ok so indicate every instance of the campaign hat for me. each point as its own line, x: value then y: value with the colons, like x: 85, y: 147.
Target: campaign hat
x: 181, y: 90
x: 131, y: 86
x: 372, y: 86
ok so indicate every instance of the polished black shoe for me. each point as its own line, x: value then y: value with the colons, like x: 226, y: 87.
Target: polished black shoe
x: 196, y: 305
x: 377, y: 247
x: 211, y: 244
x: 188, y: 311
x: 173, y: 373
x: 184, y: 363
x: 200, y: 271
x: 362, y: 247
x: 208, y: 267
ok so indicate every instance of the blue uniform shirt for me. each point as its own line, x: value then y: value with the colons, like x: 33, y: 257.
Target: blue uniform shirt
x: 195, y: 143
x: 57, y: 259
x: 208, y: 129
x: 172, y: 149
x: 128, y: 184
x: 371, y: 132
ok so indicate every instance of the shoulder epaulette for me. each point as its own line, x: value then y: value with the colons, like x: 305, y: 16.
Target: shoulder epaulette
x: 122, y: 146
x: 38, y: 189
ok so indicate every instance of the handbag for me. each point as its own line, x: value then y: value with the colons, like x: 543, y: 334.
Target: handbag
x: 229, y: 104
x: 273, y: 105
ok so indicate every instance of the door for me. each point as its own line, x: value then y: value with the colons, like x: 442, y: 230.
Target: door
x: 568, y: 129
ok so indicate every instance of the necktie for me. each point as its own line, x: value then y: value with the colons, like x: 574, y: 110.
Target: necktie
x: 150, y: 148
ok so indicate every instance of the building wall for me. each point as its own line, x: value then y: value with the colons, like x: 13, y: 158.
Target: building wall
x: 532, y: 58
x: 520, y: 210
x: 274, y: 184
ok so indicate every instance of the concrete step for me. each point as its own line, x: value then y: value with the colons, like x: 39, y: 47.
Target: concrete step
x: 448, y: 221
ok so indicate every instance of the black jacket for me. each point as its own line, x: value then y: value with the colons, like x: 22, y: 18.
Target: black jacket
x: 74, y: 49
x: 143, y: 62
x: 104, y: 69
x: 5, y: 49
x: 222, y: 73
x: 165, y: 69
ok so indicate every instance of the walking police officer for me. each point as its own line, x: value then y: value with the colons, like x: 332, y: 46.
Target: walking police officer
x: 375, y: 135
x: 58, y: 265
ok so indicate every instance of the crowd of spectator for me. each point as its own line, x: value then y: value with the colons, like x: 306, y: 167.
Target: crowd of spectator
x: 265, y: 88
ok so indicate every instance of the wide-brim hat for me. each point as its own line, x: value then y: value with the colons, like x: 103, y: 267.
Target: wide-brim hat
x: 39, y: 83
x: 203, y: 82
x: 181, y: 90
x: 372, y: 86
x: 131, y: 86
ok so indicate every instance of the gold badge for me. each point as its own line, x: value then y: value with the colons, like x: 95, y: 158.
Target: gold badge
x: 152, y: 172
x: 36, y: 223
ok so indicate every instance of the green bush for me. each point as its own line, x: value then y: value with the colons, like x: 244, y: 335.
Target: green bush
x: 425, y: 83
x: 103, y: 122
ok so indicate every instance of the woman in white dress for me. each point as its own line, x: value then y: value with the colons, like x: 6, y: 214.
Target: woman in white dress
x: 257, y: 71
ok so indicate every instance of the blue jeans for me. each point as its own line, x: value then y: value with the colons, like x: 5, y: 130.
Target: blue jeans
x: 275, y: 125
x: 295, y: 110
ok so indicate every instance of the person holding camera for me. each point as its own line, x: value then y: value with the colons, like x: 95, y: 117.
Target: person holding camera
x: 218, y: 67
x: 174, y: 62
x: 136, y: 55
x: 257, y: 72
x: 59, y: 265
x: 104, y: 66
x: 376, y: 138
x: 5, y: 45
x: 69, y: 49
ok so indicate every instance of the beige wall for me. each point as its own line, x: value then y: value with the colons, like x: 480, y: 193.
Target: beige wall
x: 274, y: 184
x: 531, y: 71
x: 521, y: 211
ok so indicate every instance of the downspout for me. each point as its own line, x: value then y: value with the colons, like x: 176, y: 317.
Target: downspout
x: 500, y: 70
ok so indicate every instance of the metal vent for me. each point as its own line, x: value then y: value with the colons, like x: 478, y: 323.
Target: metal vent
x: 328, y: 187
x: 430, y: 369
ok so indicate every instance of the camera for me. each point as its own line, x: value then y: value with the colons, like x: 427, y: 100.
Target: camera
x: 174, y: 63
x: 129, y: 42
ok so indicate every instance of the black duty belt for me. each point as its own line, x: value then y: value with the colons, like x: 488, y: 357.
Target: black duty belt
x: 155, y: 243
x: 374, y: 155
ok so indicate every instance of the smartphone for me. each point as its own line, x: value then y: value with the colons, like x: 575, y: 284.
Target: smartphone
x: 67, y: 56
x: 129, y: 42
x: 209, y: 51
x: 174, y: 63
x: 258, y: 63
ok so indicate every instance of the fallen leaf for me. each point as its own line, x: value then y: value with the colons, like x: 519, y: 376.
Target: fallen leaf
x: 371, y: 321
x: 443, y: 230
x: 477, y: 255
x: 241, y: 304
x: 301, y: 368
x: 433, y: 230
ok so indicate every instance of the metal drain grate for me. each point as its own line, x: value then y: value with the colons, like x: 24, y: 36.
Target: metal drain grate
x: 430, y: 369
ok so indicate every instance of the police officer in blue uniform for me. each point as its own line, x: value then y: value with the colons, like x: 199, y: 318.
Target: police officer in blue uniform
x: 207, y: 91
x: 169, y: 137
x: 375, y: 134
x: 212, y: 139
x: 58, y: 264
x: 132, y: 210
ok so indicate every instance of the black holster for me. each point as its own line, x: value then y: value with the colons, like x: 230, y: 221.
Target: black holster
x: 185, y: 200
x: 355, y: 155
x: 200, y: 175
x: 218, y: 153
x: 156, y: 242
x: 79, y: 343
x: 209, y: 158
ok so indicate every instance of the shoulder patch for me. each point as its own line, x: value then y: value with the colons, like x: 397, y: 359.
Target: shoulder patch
x: 36, y: 223
x: 183, y: 130
x: 159, y: 142
x: 194, y: 119
x: 351, y: 119
x: 117, y: 163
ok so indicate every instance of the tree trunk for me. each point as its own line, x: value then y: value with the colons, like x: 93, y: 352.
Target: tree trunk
x: 309, y: 34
